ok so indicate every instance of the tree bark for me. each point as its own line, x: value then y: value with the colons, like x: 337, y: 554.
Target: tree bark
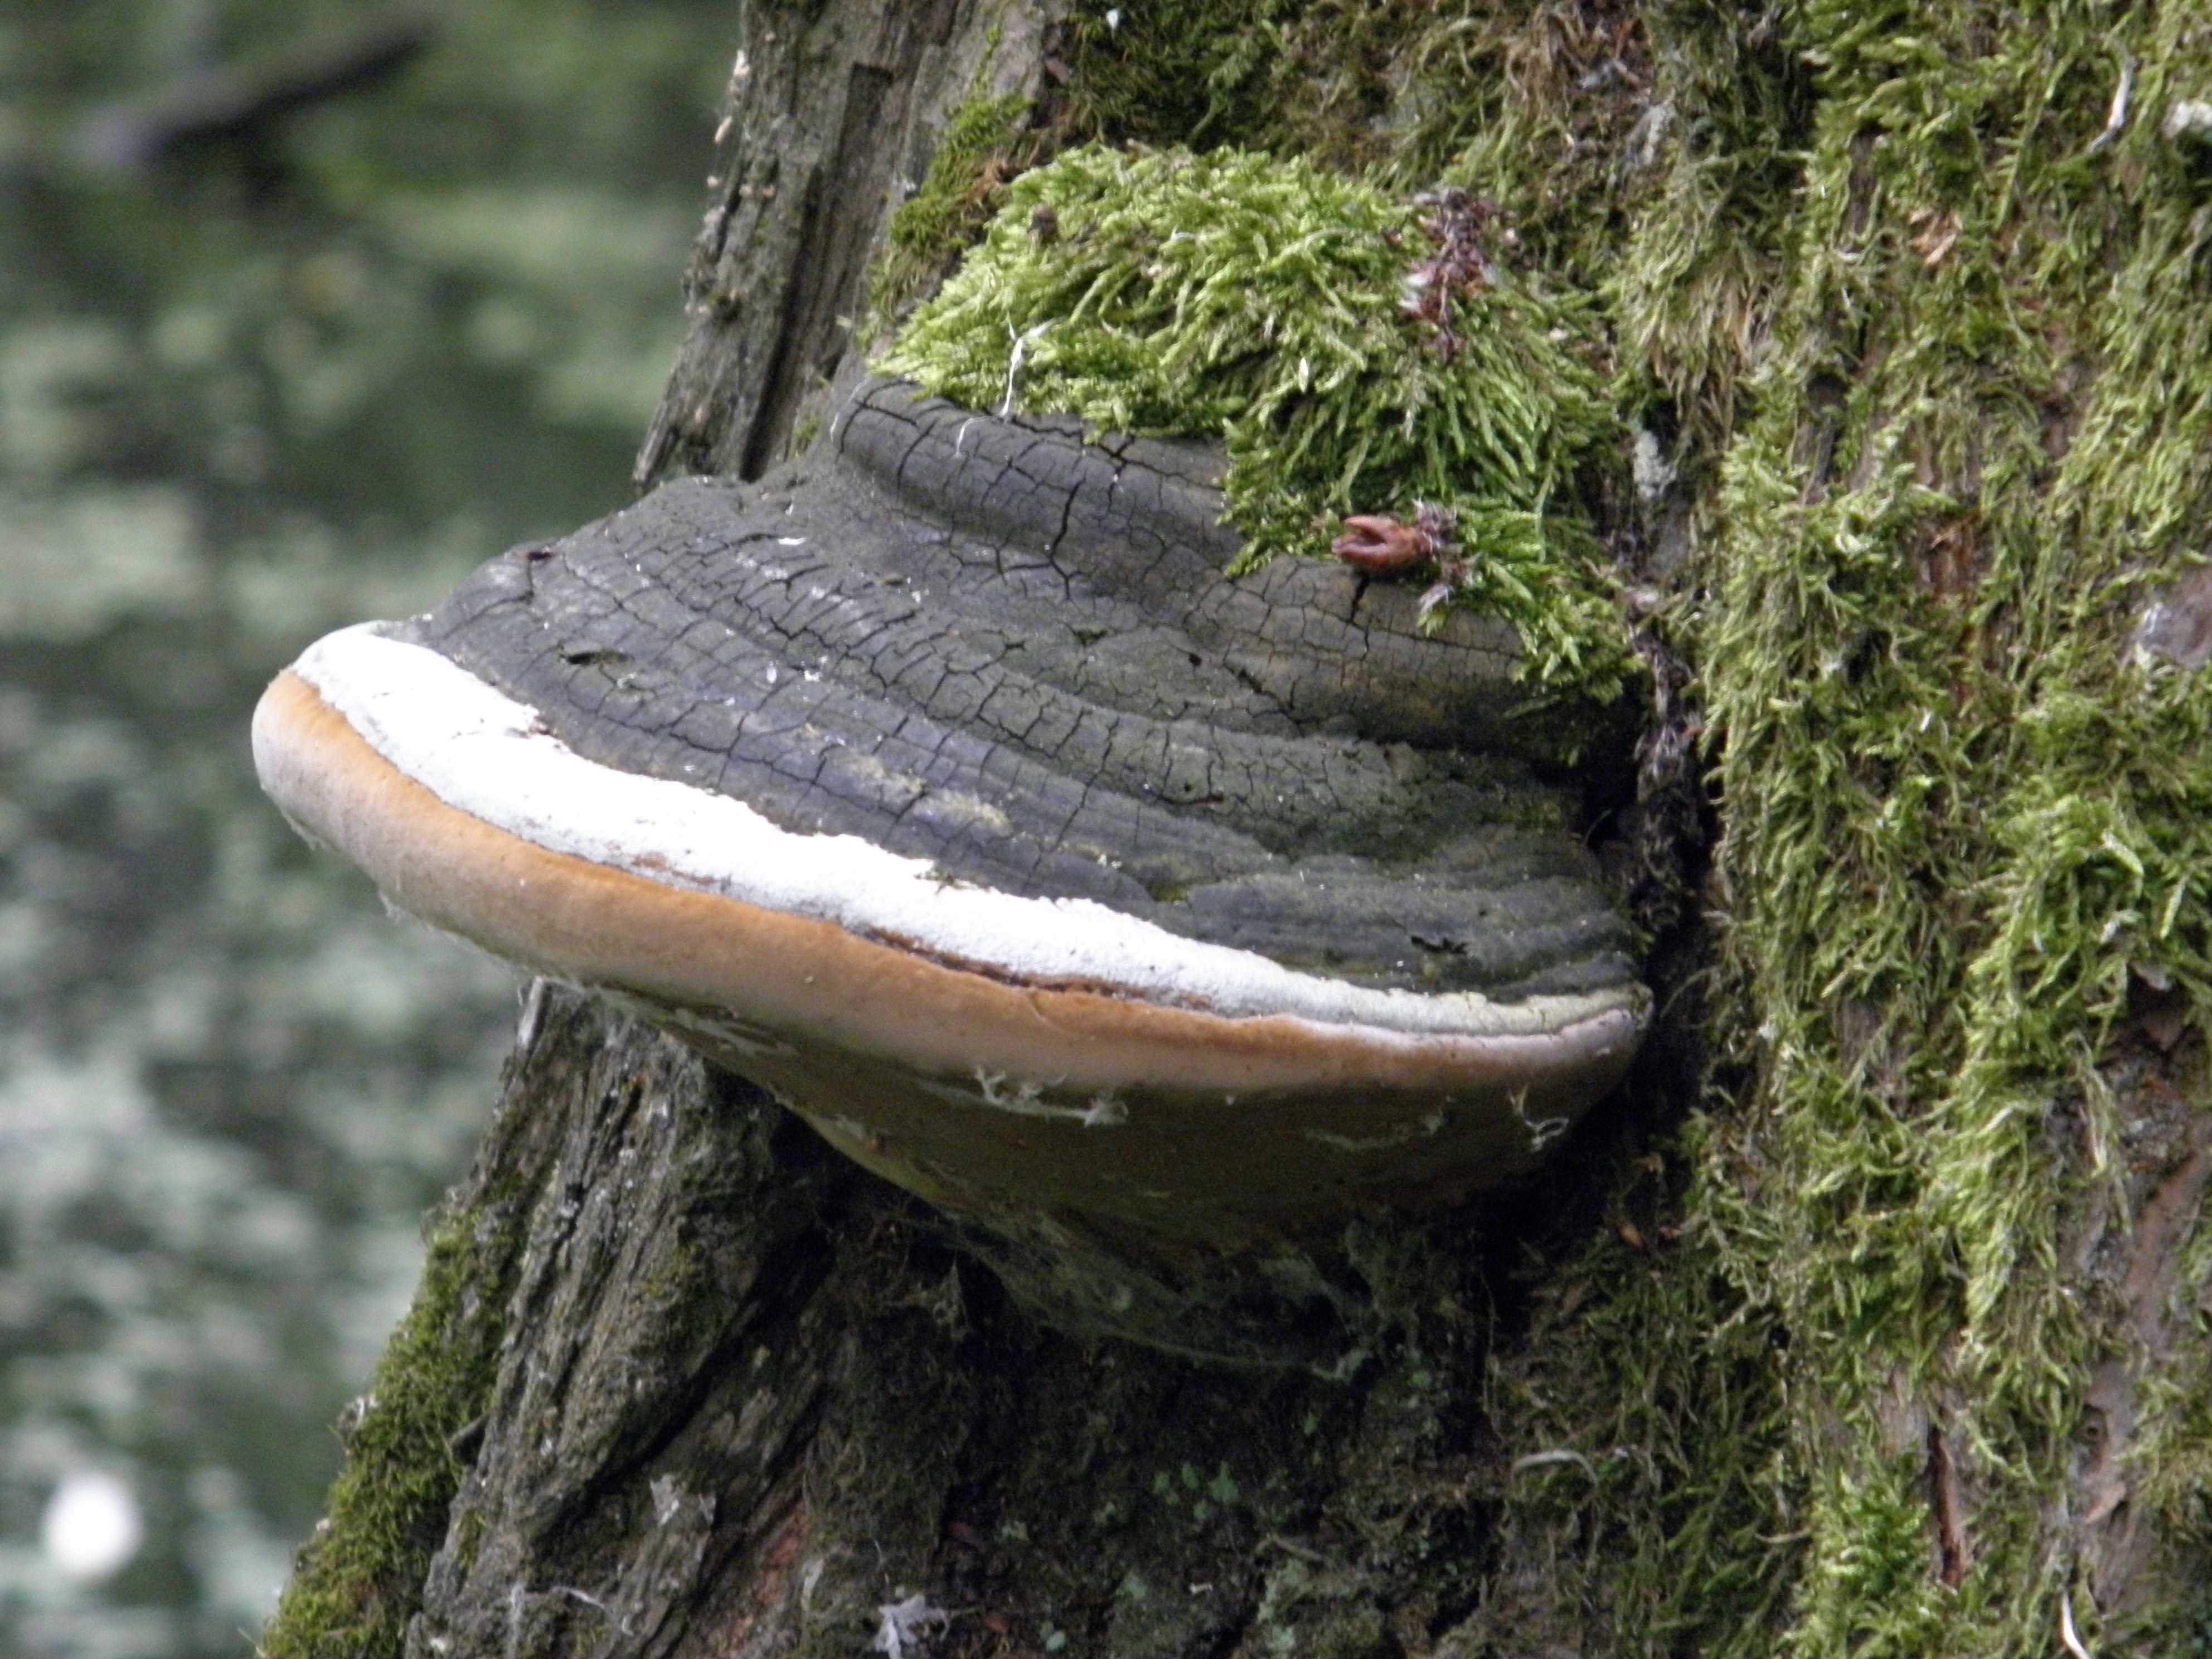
x: 748, y: 1397
x: 1888, y: 1365
x: 833, y: 112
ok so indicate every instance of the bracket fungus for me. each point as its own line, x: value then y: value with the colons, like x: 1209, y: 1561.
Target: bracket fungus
x: 944, y: 784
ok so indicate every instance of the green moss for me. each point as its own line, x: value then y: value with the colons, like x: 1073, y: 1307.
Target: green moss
x: 1712, y: 169
x: 359, y: 1579
x: 1941, y: 359
x: 1234, y: 295
x: 1307, y: 78
x: 981, y: 149
x: 1959, y: 817
x: 1651, y: 1506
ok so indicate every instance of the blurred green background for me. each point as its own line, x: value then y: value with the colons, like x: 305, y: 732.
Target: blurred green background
x: 249, y: 391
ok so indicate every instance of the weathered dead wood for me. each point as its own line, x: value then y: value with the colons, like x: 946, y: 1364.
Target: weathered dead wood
x: 833, y: 112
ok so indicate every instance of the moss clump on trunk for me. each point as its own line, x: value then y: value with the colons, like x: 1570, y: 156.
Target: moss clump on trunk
x: 1266, y: 302
x: 1967, y: 827
x: 360, y: 1577
x: 983, y: 146
x: 1951, y: 1169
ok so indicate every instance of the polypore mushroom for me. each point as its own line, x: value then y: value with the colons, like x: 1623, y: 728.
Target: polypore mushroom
x: 943, y: 785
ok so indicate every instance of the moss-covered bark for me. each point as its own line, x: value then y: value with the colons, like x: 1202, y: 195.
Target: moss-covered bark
x: 408, y: 1440
x: 1966, y: 821
x: 1891, y: 1339
x: 1918, y: 297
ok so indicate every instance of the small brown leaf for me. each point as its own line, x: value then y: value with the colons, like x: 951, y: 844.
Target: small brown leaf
x: 1376, y: 545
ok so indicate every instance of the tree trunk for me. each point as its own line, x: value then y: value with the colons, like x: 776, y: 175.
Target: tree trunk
x: 747, y: 1396
x: 1869, y: 1319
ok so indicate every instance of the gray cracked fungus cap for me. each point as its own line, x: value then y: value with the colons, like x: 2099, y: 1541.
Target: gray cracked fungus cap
x: 943, y: 784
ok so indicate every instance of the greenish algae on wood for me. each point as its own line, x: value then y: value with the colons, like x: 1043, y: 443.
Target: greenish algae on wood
x: 358, y: 1579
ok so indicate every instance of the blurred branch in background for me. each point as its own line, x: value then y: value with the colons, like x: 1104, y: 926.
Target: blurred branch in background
x: 241, y: 105
x: 301, y: 316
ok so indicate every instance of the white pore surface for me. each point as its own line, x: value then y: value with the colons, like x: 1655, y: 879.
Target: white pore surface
x: 91, y: 1527
x: 476, y: 749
